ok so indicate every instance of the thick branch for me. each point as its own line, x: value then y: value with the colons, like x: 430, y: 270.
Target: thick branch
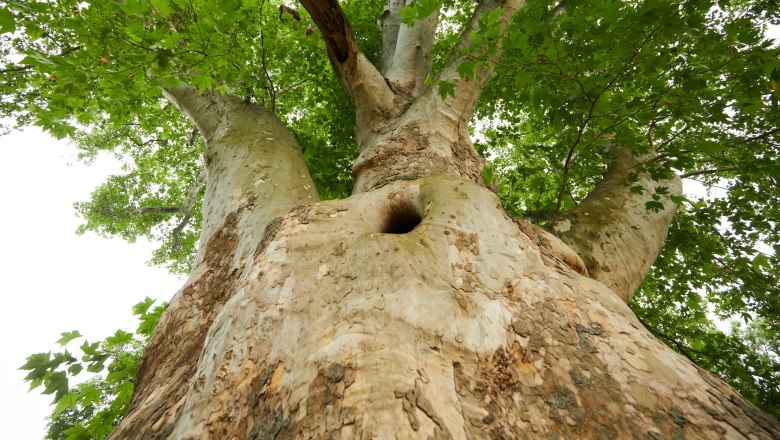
x: 250, y: 156
x: 371, y: 94
x: 412, y: 61
x: 467, y: 91
x: 613, y: 231
x: 390, y: 24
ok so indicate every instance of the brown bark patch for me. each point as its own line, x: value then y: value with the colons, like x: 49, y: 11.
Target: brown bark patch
x: 525, y: 391
x: 411, y: 401
x: 166, y: 370
x: 321, y: 411
x: 409, y: 155
x: 265, y: 407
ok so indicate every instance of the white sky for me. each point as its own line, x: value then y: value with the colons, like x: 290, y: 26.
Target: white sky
x: 52, y: 280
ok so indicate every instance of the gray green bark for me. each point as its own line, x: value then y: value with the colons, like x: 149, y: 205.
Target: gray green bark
x: 613, y: 231
x: 417, y: 308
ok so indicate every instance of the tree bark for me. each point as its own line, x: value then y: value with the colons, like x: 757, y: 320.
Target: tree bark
x: 466, y: 325
x: 613, y: 231
x: 416, y: 308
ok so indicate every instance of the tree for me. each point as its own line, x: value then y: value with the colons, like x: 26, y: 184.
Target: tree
x: 421, y: 305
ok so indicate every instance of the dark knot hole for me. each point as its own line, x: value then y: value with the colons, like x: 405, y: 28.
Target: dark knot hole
x: 401, y: 218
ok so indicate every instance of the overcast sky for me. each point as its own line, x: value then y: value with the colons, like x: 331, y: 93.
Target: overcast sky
x: 52, y: 280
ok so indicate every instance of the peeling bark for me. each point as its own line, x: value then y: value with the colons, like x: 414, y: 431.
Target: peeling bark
x: 417, y: 308
x: 613, y: 231
x: 250, y: 157
x: 468, y: 325
x: 254, y: 173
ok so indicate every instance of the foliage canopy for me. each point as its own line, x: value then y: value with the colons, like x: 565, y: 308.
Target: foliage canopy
x: 696, y: 80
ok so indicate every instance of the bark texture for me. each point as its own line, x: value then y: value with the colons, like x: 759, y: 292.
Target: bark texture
x: 466, y: 326
x: 417, y: 308
x: 613, y: 231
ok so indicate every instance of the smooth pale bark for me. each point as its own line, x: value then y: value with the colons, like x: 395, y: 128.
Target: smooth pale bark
x: 390, y: 24
x: 255, y: 172
x: 613, y: 231
x: 415, y: 308
x: 412, y: 60
x: 466, y: 327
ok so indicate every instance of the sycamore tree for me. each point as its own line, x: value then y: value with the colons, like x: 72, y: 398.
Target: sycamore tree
x: 414, y: 219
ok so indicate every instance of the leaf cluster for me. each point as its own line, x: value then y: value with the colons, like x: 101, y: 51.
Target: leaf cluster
x: 91, y: 408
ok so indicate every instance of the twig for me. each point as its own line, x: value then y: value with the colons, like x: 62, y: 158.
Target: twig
x: 187, y: 208
x: 713, y: 171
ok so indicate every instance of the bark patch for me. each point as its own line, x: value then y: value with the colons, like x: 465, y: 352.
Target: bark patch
x: 166, y: 370
x: 412, y: 400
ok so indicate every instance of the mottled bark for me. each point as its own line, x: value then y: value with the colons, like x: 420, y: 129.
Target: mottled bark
x: 417, y: 308
x: 255, y: 172
x: 464, y: 325
x: 613, y: 230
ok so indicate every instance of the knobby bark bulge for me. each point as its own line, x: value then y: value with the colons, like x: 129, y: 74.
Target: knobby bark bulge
x: 416, y: 308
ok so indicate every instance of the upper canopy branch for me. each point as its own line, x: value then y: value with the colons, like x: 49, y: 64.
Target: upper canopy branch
x: 618, y: 230
x: 468, y: 89
x: 390, y: 23
x: 410, y: 62
x: 364, y: 82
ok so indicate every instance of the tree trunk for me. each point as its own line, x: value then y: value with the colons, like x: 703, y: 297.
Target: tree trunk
x: 417, y: 309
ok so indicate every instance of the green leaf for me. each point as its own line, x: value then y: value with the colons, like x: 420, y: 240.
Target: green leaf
x: 678, y: 199
x: 163, y: 6
x: 37, y: 362
x: 141, y: 308
x: 75, y: 369
x: 760, y: 262
x: 662, y: 190
x: 90, y: 349
x: 90, y: 395
x: 7, y: 22
x: 654, y: 205
x: 408, y: 14
x: 120, y: 337
x: 698, y: 345
x: 418, y: 11
x: 67, y: 401
x: 78, y: 432
x: 56, y: 383
x: 67, y: 337
x: 467, y: 69
x: 446, y: 89
x: 711, y: 147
